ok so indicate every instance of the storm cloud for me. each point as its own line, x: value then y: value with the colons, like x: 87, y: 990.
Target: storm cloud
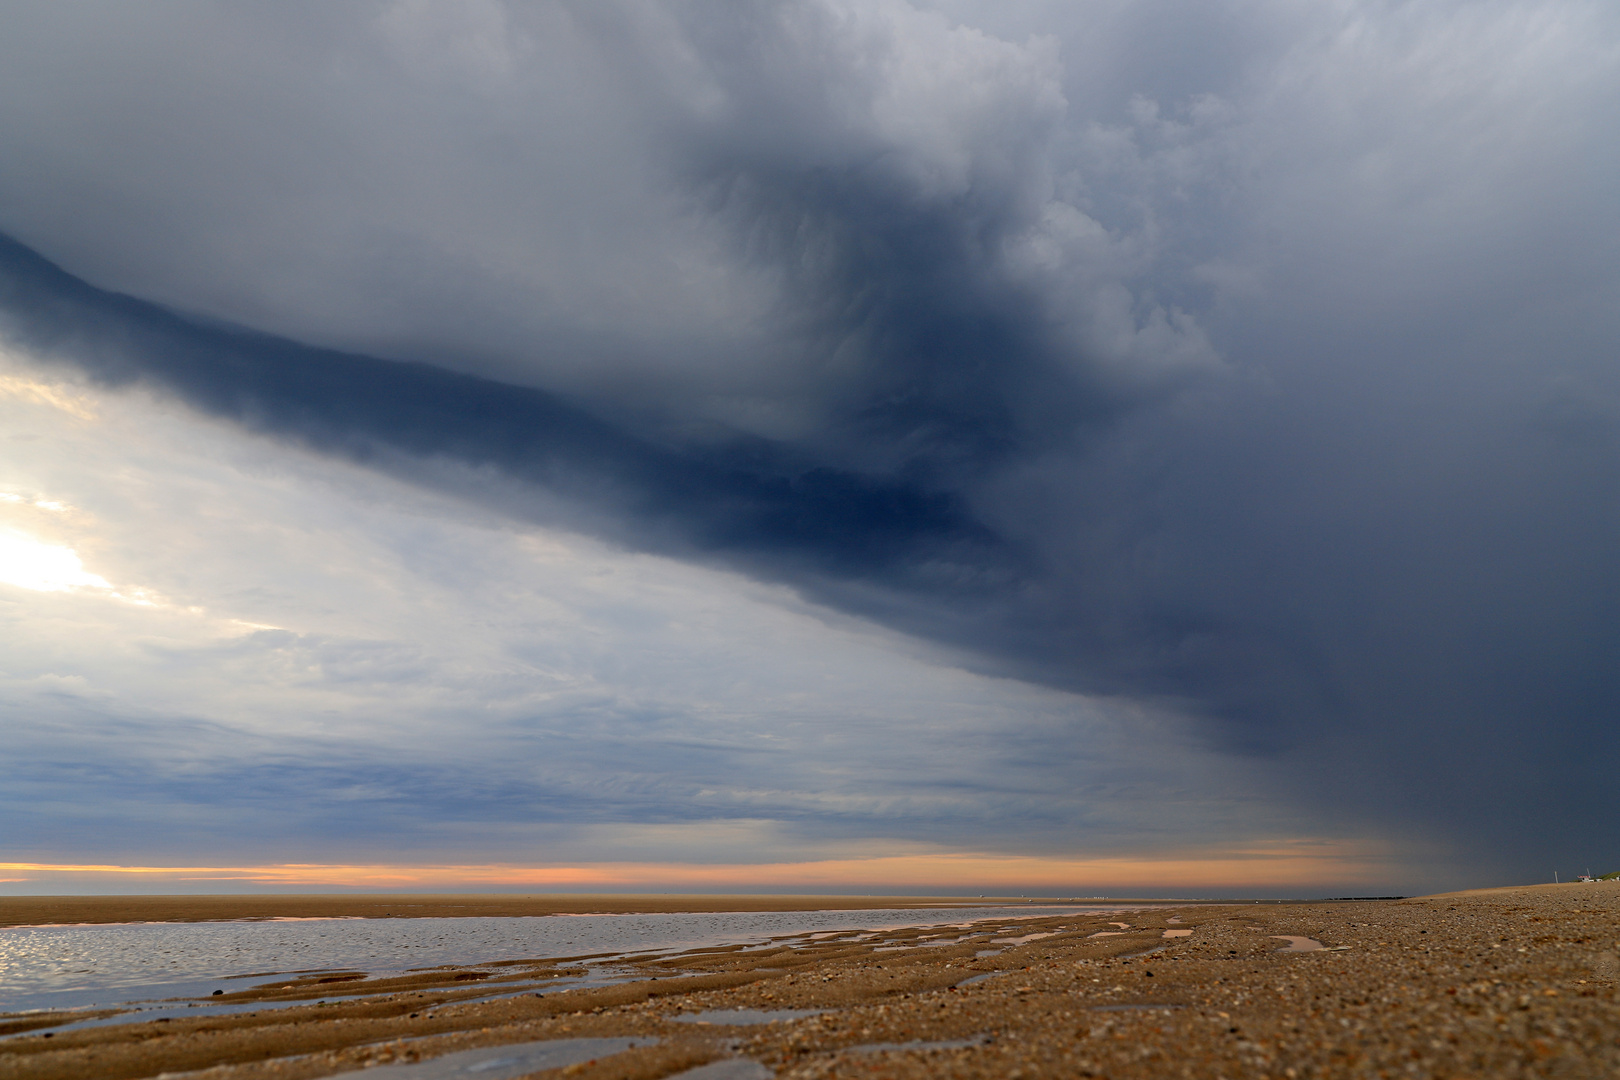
x: 1245, y: 363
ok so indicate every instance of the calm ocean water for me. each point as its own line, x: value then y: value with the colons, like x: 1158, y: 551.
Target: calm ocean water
x: 75, y: 966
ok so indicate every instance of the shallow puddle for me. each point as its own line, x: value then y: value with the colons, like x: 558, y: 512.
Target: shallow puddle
x: 729, y: 1069
x: 918, y: 1044
x: 554, y: 983
x: 979, y: 978
x: 929, y: 943
x: 1143, y: 952
x: 741, y: 1017
x: 151, y: 1011
x: 502, y: 1062
x: 1022, y: 940
x: 1298, y: 944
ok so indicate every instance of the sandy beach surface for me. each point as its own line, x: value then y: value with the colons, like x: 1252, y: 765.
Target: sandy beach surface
x: 1517, y: 982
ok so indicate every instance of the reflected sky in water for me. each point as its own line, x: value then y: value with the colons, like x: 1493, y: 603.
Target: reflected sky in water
x: 71, y: 966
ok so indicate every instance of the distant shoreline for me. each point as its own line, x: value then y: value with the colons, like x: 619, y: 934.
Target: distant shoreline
x: 20, y: 911
x: 71, y: 910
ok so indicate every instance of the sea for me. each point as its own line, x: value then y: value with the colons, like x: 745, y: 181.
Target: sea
x: 102, y: 965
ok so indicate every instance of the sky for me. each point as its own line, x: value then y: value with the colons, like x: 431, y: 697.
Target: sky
x: 1166, y: 447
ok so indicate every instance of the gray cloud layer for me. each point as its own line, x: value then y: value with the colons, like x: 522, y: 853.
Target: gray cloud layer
x: 1253, y: 361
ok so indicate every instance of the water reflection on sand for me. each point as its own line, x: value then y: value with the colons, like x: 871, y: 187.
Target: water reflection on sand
x: 1298, y: 944
x: 78, y: 966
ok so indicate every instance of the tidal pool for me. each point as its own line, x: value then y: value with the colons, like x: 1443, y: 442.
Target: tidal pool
x: 502, y: 1062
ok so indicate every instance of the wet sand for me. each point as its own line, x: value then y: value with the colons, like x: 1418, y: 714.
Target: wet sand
x: 1492, y: 983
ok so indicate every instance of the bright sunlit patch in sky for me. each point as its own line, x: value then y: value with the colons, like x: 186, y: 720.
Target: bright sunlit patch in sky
x: 30, y: 564
x: 41, y: 504
x: 42, y: 393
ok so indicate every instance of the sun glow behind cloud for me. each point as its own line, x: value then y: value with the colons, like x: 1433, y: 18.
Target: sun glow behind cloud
x: 26, y: 561
x: 32, y: 564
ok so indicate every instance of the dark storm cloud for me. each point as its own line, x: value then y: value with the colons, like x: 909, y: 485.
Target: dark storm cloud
x: 749, y: 499
x: 1440, y: 648
x: 891, y: 248
x: 1377, y: 550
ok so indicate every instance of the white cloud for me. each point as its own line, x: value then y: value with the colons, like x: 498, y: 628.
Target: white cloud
x: 332, y: 638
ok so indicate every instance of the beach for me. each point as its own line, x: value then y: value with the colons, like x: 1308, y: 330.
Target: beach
x: 43, y: 910
x: 1490, y: 983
